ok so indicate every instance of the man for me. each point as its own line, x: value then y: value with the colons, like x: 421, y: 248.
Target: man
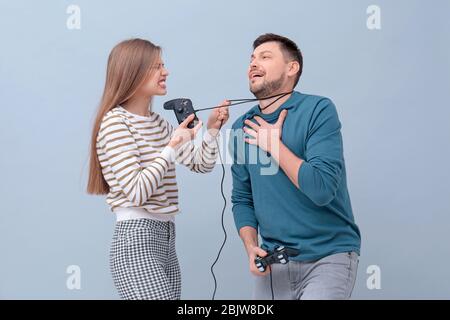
x: 306, y: 204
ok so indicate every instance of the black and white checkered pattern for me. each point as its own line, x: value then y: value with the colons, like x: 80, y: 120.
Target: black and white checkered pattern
x: 143, y: 261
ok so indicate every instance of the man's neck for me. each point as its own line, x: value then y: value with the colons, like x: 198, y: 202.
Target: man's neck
x: 138, y: 105
x: 273, y: 106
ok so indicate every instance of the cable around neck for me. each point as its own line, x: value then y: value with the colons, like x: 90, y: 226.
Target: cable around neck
x: 235, y: 102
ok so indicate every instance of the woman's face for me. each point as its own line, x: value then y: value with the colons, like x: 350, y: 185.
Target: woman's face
x: 155, y: 84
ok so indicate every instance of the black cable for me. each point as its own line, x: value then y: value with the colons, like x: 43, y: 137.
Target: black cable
x: 271, y: 283
x: 222, y: 218
x: 265, y: 98
x: 283, y: 95
x: 223, y: 178
x: 241, y: 101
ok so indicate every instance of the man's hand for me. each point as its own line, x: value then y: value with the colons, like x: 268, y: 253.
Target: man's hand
x: 252, y: 252
x: 265, y: 135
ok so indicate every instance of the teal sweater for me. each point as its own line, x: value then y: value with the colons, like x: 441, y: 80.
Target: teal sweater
x: 315, y: 218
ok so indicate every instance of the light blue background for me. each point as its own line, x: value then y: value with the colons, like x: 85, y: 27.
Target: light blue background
x: 391, y: 88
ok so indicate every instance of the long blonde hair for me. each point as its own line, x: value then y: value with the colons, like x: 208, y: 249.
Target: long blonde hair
x: 129, y: 64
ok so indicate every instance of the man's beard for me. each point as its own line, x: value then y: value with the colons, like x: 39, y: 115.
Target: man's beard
x: 266, y: 89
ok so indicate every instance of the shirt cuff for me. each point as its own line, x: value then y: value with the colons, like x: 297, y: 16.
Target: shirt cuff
x: 209, y: 138
x: 169, y: 154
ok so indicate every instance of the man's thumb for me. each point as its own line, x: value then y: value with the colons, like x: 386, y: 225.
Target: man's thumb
x: 282, y: 116
x: 260, y: 252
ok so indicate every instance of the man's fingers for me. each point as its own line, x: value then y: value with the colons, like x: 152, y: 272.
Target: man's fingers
x: 252, y: 125
x: 262, y: 274
x: 258, y: 273
x: 260, y: 120
x: 251, y: 132
x: 255, y: 271
x: 251, y: 141
x: 281, y: 118
x: 260, y: 252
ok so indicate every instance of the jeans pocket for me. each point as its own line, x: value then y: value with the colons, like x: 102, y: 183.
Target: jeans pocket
x: 342, y: 258
x: 352, y: 272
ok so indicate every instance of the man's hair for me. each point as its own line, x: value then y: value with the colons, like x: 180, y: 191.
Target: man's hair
x: 288, y: 47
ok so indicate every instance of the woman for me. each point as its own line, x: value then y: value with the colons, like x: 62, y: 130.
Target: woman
x: 133, y: 151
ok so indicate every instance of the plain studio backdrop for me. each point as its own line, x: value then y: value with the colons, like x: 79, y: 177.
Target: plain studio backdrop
x: 391, y: 87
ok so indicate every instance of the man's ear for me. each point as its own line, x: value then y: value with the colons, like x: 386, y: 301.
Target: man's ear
x: 294, y: 67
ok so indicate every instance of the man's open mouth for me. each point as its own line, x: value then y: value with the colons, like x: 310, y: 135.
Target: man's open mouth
x: 256, y: 75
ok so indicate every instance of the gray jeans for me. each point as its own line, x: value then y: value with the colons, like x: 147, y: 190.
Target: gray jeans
x: 332, y: 277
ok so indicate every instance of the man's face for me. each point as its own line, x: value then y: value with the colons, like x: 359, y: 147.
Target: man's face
x: 268, y: 70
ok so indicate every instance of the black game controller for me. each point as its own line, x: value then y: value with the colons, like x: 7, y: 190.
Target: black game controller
x: 279, y: 255
x: 183, y: 108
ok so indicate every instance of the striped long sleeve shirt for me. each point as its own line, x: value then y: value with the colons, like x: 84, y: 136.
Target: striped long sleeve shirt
x: 138, y: 165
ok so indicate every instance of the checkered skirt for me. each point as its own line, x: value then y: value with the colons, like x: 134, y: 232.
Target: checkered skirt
x: 143, y: 261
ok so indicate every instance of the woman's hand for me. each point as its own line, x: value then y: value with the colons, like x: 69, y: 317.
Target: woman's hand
x: 217, y: 118
x: 183, y: 134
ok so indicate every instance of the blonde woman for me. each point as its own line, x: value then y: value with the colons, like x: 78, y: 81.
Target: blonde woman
x: 133, y: 155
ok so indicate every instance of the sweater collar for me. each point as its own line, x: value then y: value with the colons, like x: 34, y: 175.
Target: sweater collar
x: 269, y: 117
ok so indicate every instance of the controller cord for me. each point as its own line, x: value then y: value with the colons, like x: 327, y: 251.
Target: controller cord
x: 234, y: 102
x: 222, y: 216
x: 271, y: 282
